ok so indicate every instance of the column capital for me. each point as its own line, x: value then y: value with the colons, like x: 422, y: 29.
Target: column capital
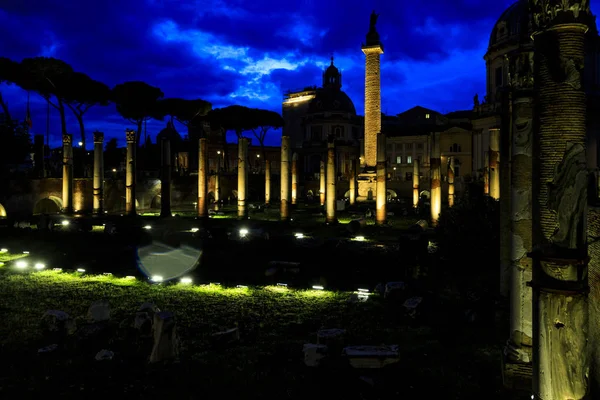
x: 130, y: 135
x: 98, y: 137
x: 67, y: 138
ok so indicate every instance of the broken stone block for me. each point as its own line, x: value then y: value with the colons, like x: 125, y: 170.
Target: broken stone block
x: 371, y: 356
x: 144, y: 319
x: 412, y: 303
x: 394, y: 290
x: 166, y: 343
x: 99, y: 311
x: 358, y: 298
x: 332, y: 338
x: 313, y: 354
x: 48, y: 349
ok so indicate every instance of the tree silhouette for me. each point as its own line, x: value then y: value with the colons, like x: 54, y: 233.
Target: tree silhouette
x: 136, y: 102
x: 263, y: 121
x: 181, y: 110
x: 81, y: 94
x: 112, y: 154
x: 50, y: 78
x: 9, y: 73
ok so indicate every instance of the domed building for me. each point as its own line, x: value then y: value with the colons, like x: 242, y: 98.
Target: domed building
x: 509, y: 64
x: 312, y: 115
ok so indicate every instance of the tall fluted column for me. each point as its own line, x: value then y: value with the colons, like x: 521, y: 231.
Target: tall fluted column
x: 67, y: 176
x: 436, y: 178
x: 322, y: 182
x: 486, y: 172
x: 330, y: 198
x: 494, y: 162
x: 451, y: 182
x: 267, y: 182
x: 294, y: 178
x: 242, y: 187
x: 285, y: 178
x: 381, y: 185
x: 202, y: 178
x: 217, y: 190
x: 352, y: 185
x: 98, y: 173
x: 416, y: 181
x: 561, y: 360
x: 165, y: 179
x: 130, y: 208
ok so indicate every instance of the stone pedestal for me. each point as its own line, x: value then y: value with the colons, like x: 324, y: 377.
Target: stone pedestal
x: 98, y: 173
x: 165, y: 179
x: 436, y: 179
x: 330, y: 216
x: 242, y: 186
x: 130, y: 208
x: 202, y: 178
x: 381, y: 186
x: 267, y: 182
x: 285, y: 178
x: 67, y: 176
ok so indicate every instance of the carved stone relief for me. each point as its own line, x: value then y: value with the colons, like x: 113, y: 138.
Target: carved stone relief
x: 545, y: 12
x: 522, y: 128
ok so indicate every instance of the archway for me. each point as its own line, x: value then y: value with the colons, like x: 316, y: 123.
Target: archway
x: 2, y: 211
x: 426, y: 194
x: 48, y: 205
x: 155, y: 203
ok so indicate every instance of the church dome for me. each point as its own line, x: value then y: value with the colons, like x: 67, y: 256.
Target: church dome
x: 513, y: 26
x: 331, y: 100
x: 169, y: 133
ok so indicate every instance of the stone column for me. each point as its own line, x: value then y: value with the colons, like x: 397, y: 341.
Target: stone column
x: 217, y: 190
x: 561, y: 361
x: 322, y: 183
x: 165, y: 179
x: 372, y: 50
x: 267, y: 182
x: 330, y: 198
x: 294, y: 177
x: 494, y: 164
x: 381, y: 186
x: 202, y: 178
x: 450, y: 181
x: 285, y: 178
x: 436, y: 178
x: 416, y: 181
x: 98, y: 173
x: 67, y: 177
x: 353, y: 182
x: 486, y: 172
x: 242, y: 186
x: 130, y: 208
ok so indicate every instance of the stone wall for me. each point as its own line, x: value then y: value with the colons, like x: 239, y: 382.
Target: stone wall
x: 594, y: 299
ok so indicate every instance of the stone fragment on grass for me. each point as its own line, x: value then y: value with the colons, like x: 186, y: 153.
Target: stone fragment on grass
x: 99, y: 311
x: 166, y: 342
x: 144, y: 318
x: 48, y: 349
x: 313, y: 354
x: 227, y: 336
x: 332, y: 338
x: 56, y: 321
x: 371, y: 356
x: 104, y: 355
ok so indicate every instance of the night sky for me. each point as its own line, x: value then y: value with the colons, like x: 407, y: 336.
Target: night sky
x: 249, y: 52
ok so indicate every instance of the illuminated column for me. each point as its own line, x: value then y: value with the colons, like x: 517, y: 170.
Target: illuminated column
x: 436, y: 178
x: 294, y: 177
x: 494, y: 164
x: 561, y: 359
x: 330, y: 216
x: 267, y: 182
x: 67, y: 178
x: 353, y: 182
x: 450, y: 181
x: 285, y: 178
x: 486, y: 172
x: 373, y: 49
x: 98, y: 173
x: 322, y: 183
x: 202, y: 178
x: 165, y: 181
x: 242, y: 186
x: 217, y: 190
x: 416, y: 181
x: 130, y: 173
x: 381, y: 186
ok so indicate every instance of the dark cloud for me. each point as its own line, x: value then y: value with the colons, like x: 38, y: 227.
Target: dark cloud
x: 433, y: 49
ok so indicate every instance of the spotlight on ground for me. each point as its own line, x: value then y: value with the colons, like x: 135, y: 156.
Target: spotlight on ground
x: 21, y: 264
x: 57, y: 269
x: 186, y: 281
x: 39, y: 266
x: 359, y: 238
x: 282, y: 284
x: 363, y: 290
x: 243, y: 232
x: 194, y: 230
x: 318, y: 287
x: 299, y: 235
x: 156, y: 278
x: 65, y: 223
x: 81, y: 270
x: 3, y: 250
x: 25, y: 252
x: 147, y: 227
x: 241, y: 287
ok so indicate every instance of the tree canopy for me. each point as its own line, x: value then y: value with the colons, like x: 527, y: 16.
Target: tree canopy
x: 182, y: 110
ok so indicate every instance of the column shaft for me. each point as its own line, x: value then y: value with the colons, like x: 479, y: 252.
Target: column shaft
x: 98, y: 173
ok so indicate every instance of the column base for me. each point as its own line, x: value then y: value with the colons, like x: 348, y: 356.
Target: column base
x: 516, y: 376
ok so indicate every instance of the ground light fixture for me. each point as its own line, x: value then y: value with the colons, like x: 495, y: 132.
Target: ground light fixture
x: 359, y: 238
x: 130, y: 277
x: 148, y: 227
x: 156, y: 278
x: 21, y: 264
x: 318, y: 287
x: 194, y: 230
x: 107, y: 274
x: 25, y: 252
x: 57, y: 269
x: 363, y: 290
x: 282, y: 284
x: 242, y: 287
x: 65, y: 223
x: 81, y: 270
x: 3, y: 250
x: 185, y: 281
x: 39, y: 266
x: 299, y: 235
x: 243, y: 232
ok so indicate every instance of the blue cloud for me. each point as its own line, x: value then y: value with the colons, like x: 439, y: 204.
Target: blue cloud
x: 251, y: 52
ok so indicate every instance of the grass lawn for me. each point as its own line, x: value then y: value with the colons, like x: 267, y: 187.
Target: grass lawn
x: 266, y: 363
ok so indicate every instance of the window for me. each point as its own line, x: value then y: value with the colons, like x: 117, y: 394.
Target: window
x: 338, y: 132
x: 499, y: 77
x: 399, y: 160
x: 455, y: 148
x: 419, y: 146
x: 427, y: 116
x: 409, y: 146
x: 316, y: 132
x: 409, y: 159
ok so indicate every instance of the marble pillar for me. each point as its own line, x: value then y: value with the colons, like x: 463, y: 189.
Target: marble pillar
x: 67, y: 175
x: 494, y: 164
x: 330, y: 198
x: 416, y: 181
x: 202, y: 178
x: 486, y: 172
x: 130, y: 206
x: 322, y: 183
x: 98, y: 173
x: 267, y: 182
x: 242, y: 185
x: 381, y: 185
x: 352, y: 184
x: 451, y: 181
x: 436, y: 178
x: 285, y: 178
x: 294, y: 178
